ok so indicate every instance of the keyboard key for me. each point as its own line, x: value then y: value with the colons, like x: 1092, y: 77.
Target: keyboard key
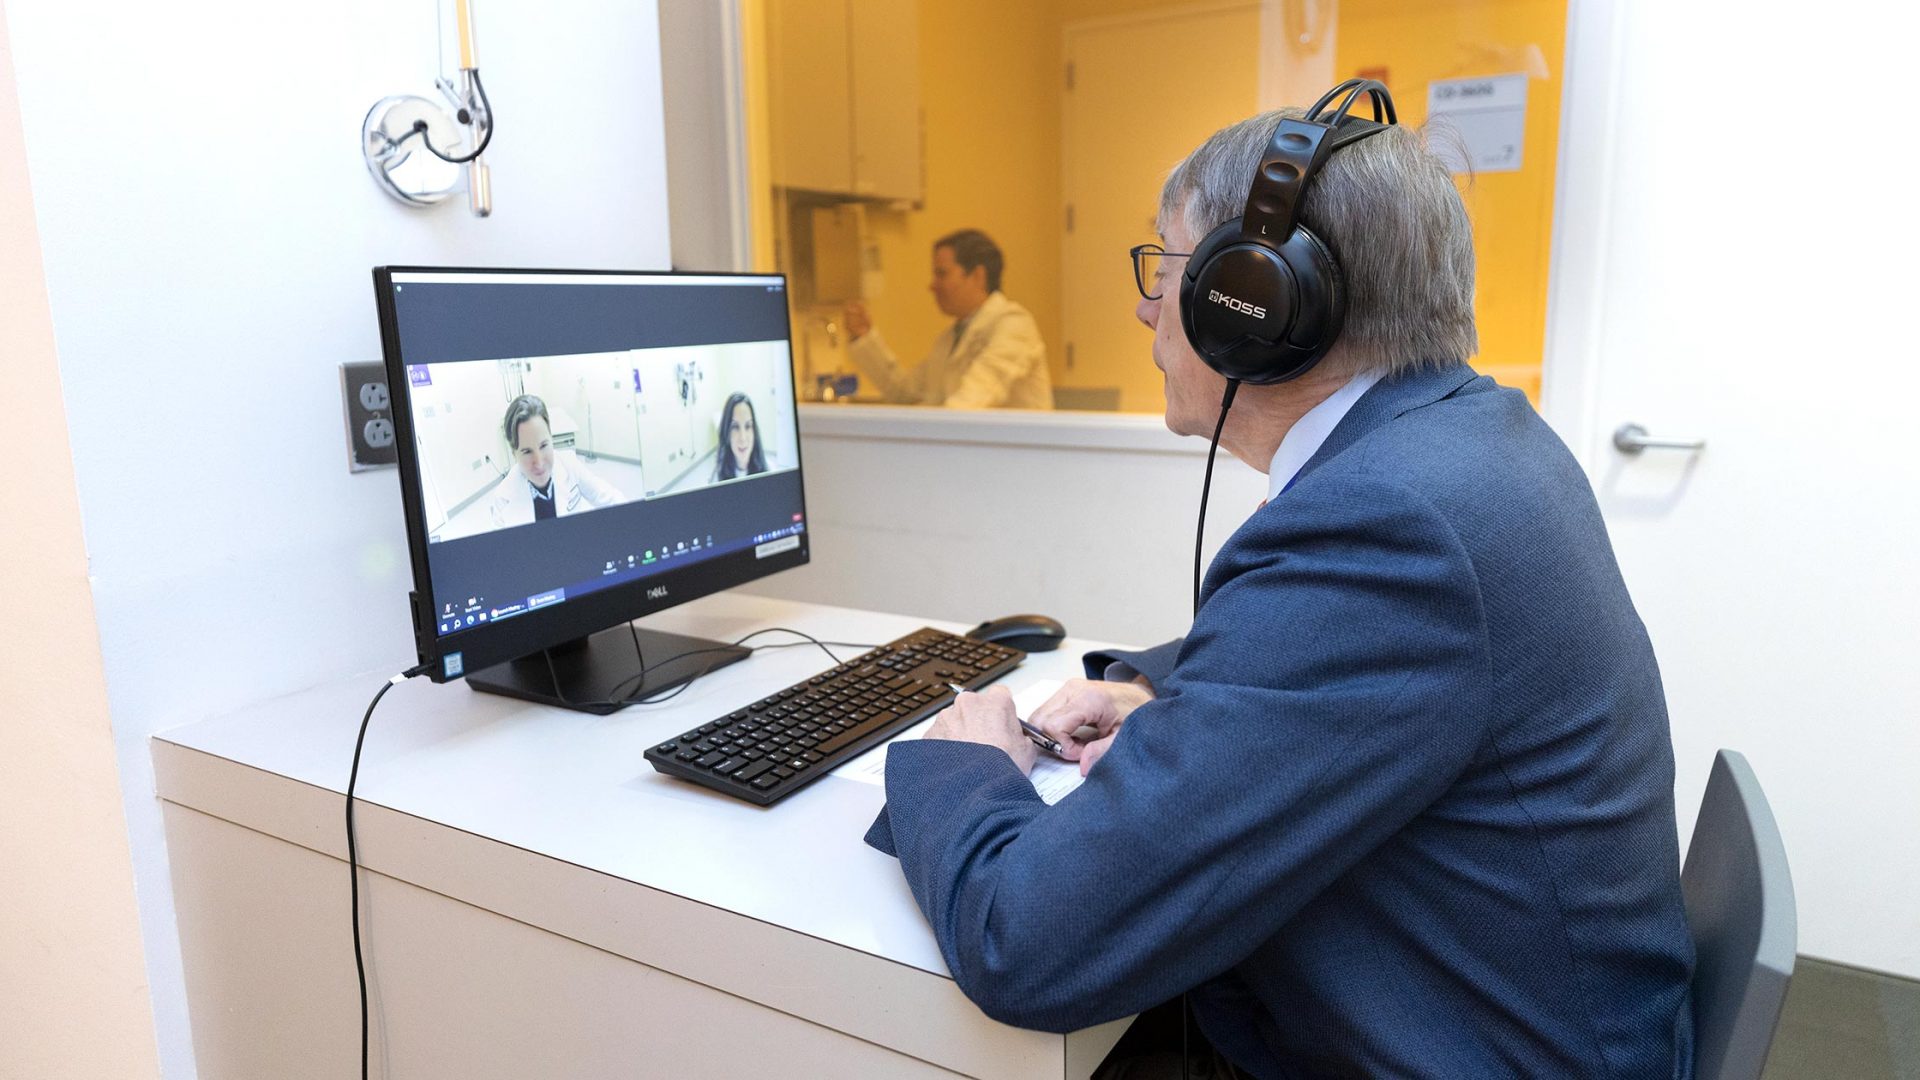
x: 727, y: 767
x: 766, y: 781
x: 711, y: 760
x: 753, y: 771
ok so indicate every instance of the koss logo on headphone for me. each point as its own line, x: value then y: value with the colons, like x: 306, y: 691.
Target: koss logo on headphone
x: 1236, y: 304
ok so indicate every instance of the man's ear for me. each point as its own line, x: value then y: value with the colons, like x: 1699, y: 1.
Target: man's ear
x: 981, y: 280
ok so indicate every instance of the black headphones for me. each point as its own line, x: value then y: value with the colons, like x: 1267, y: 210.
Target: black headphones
x: 1263, y: 299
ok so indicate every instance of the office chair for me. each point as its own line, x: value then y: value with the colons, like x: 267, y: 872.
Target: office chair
x: 1739, y: 899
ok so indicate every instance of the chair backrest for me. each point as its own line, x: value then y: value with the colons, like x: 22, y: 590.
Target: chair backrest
x: 1739, y: 899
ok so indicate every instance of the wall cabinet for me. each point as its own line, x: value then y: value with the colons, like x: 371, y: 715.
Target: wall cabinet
x: 846, y: 97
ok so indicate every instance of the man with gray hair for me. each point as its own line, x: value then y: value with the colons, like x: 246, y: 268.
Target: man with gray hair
x: 1401, y: 802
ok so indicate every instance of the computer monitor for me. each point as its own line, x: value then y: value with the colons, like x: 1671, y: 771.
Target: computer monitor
x: 579, y: 449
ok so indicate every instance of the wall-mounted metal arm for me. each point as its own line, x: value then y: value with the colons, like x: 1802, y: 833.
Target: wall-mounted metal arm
x: 1632, y: 439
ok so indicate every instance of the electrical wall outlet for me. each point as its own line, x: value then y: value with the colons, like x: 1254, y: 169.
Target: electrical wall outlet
x: 369, y: 410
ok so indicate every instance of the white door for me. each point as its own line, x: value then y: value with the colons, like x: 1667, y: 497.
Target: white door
x: 1733, y: 248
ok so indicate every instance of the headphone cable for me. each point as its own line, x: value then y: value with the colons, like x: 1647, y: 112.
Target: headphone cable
x: 1206, y: 489
x: 1206, y: 486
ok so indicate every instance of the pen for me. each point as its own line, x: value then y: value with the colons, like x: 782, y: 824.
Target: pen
x: 1034, y: 735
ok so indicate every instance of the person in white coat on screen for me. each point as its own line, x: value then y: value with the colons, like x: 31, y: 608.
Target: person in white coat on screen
x: 992, y: 356
x: 545, y: 483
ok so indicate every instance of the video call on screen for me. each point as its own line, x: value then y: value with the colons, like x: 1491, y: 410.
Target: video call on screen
x: 578, y: 432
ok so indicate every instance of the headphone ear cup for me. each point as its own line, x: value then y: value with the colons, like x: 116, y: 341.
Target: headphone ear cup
x: 1237, y: 306
x: 1201, y: 325
x: 1261, y: 313
x: 1322, y: 307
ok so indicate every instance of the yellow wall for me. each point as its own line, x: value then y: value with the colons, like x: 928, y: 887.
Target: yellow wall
x: 1419, y: 41
x: 989, y: 84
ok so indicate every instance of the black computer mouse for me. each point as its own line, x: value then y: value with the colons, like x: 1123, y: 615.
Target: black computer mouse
x: 1028, y: 633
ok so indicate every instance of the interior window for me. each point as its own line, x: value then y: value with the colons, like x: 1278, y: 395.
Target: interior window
x: 876, y: 129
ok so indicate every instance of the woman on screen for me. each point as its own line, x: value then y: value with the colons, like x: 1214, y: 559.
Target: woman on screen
x: 740, y: 453
x: 546, y: 483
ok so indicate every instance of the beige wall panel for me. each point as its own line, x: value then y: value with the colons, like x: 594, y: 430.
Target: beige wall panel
x: 887, y: 152
x: 455, y: 990
x: 809, y: 94
x: 74, y: 993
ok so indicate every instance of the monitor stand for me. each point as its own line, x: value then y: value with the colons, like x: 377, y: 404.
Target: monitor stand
x: 593, y: 669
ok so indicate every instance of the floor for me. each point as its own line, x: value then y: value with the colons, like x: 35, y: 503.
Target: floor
x: 1846, y: 1023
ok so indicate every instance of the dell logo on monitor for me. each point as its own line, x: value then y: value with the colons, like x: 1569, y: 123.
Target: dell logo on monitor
x: 1236, y: 304
x: 658, y: 592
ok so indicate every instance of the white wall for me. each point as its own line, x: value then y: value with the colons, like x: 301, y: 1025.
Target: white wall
x: 1087, y: 517
x: 705, y: 133
x: 208, y: 228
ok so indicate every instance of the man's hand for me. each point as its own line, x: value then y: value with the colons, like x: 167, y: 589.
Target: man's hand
x: 857, y: 320
x: 988, y: 719
x: 1102, y: 706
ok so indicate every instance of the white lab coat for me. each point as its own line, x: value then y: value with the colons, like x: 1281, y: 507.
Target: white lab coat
x: 999, y: 362
x: 575, y: 489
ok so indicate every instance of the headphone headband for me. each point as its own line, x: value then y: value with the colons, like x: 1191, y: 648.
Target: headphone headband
x: 1262, y: 298
x: 1297, y: 151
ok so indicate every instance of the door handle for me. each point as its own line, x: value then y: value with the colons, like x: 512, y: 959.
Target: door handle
x: 1631, y: 438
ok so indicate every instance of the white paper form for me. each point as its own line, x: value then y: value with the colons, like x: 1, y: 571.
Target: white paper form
x: 1052, y: 777
x: 1490, y: 115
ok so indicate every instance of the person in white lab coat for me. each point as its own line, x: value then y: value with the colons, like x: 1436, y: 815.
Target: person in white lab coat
x: 992, y: 355
x: 545, y: 483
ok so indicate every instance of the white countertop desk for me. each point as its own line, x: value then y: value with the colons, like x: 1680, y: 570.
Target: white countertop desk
x: 537, y: 901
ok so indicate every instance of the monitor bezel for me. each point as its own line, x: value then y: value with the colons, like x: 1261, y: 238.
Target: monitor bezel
x: 492, y: 643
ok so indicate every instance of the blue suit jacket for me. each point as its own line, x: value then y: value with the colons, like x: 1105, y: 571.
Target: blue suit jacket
x: 1403, y: 804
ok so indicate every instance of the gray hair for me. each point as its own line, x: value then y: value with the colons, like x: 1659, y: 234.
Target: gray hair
x: 1388, y: 208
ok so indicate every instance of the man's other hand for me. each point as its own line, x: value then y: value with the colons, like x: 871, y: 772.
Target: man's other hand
x: 987, y: 718
x: 857, y: 320
x: 1082, y: 704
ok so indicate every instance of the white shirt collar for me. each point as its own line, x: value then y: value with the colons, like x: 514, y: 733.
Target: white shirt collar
x: 1304, y: 438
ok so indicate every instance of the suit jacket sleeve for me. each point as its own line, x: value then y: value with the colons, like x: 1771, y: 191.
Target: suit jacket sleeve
x: 1332, y: 688
x: 1012, y: 350
x: 1156, y: 664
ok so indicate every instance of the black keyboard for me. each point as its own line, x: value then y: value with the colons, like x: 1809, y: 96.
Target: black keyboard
x: 772, y: 748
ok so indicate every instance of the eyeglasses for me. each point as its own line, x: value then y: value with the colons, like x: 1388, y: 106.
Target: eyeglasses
x: 1147, y: 267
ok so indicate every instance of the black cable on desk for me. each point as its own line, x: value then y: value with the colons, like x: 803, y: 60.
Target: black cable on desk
x: 359, y: 742
x: 614, y: 697
x: 353, y: 852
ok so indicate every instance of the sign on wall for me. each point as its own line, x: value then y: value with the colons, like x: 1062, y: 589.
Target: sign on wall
x: 1488, y: 120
